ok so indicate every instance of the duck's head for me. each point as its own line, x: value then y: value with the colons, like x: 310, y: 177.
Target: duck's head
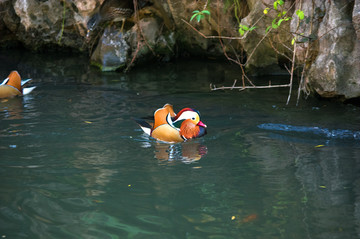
x: 188, y: 122
x: 14, y: 80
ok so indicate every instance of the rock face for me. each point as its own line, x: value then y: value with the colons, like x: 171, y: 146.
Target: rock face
x: 261, y: 58
x: 112, y: 51
x: 331, y: 53
x: 43, y: 23
x: 334, y: 70
x: 117, y: 50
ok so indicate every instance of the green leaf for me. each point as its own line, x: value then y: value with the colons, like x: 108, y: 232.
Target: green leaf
x: 206, y: 12
x: 193, y: 16
x: 196, y: 11
x: 280, y: 21
x: 199, y: 17
x: 267, y: 29
x: 281, y: 2
x: 300, y: 14
x: 293, y: 41
x: 252, y: 28
x: 284, y: 12
x: 241, y: 31
x: 245, y: 28
x: 274, y: 24
x: 275, y: 5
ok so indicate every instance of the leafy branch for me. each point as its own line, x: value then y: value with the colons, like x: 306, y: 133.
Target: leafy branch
x: 281, y: 15
x: 301, y: 16
x: 199, y: 15
x: 243, y: 29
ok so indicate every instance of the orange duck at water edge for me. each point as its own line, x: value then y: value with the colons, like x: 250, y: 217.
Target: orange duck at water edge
x: 171, y: 127
x: 13, y: 86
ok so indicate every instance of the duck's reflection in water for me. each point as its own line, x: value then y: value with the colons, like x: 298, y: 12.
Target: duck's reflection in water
x: 187, y: 152
x: 12, y: 109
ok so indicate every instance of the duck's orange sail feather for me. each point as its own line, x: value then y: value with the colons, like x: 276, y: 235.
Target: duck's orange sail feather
x: 161, y: 114
x: 15, y: 80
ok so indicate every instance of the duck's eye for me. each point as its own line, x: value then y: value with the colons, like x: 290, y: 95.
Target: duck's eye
x: 193, y: 118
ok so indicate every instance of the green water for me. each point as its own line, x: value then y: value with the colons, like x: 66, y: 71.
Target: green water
x: 73, y: 164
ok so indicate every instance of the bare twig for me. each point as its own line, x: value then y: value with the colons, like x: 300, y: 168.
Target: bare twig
x: 288, y: 70
x: 278, y: 52
x: 291, y: 74
x: 257, y: 45
x: 237, y: 60
x: 136, y: 14
x: 243, y: 76
x: 213, y: 87
x: 205, y: 6
x: 134, y: 57
x: 234, y: 84
x: 140, y: 36
x: 302, y: 85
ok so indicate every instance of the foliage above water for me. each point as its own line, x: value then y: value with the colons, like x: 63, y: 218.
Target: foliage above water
x: 280, y: 13
x: 199, y: 15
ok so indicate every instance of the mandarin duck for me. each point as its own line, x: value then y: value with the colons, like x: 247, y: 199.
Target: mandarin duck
x: 171, y: 127
x: 13, y: 86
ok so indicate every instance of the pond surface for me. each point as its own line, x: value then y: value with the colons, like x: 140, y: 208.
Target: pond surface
x: 74, y: 164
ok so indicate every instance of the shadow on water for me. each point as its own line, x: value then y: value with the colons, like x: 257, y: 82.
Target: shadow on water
x: 74, y: 165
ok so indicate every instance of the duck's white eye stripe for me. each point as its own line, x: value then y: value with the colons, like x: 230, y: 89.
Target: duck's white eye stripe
x: 188, y: 115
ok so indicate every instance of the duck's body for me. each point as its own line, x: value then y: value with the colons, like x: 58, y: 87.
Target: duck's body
x: 13, y: 86
x: 7, y: 91
x: 170, y: 127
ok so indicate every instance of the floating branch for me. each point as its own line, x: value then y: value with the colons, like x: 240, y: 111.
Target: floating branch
x: 213, y: 87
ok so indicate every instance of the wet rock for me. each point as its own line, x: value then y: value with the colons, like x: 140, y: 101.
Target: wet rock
x: 259, y: 56
x: 334, y: 56
x: 112, y: 51
x: 117, y: 50
x: 154, y: 44
x: 8, y: 24
x: 86, y: 7
x: 356, y: 18
x: 37, y: 24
